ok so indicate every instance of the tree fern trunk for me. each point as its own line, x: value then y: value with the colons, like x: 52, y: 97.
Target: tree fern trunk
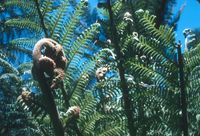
x: 124, y: 87
x: 183, y: 92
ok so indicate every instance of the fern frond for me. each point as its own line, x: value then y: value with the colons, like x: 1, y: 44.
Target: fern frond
x: 8, y: 67
x: 3, y: 55
x: 24, y: 45
x: 74, y: 70
x: 24, y: 67
x: 66, y: 35
x: 192, y: 58
x: 90, y: 123
x: 79, y: 67
x: 193, y: 62
x: 193, y: 52
x: 8, y: 78
x: 9, y: 82
x: 194, y: 73
x: 109, y: 88
x: 46, y: 7
x: 12, y: 76
x: 194, y: 84
x: 30, y: 103
x: 143, y: 46
x: 79, y: 89
x: 88, y: 115
x: 14, y: 120
x: 87, y: 106
x: 116, y: 8
x: 163, y: 34
x: 56, y: 21
x: 23, y: 4
x: 24, y: 24
x: 113, y: 130
x: 152, y: 50
x: 82, y: 40
x: 27, y: 43
x: 138, y: 68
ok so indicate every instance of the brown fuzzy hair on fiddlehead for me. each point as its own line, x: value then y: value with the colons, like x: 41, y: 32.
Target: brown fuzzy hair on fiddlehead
x: 49, y: 59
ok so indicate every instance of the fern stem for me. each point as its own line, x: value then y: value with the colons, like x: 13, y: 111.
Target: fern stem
x: 65, y: 95
x: 124, y: 87
x: 67, y: 104
x: 183, y: 92
x: 41, y: 18
x: 50, y: 104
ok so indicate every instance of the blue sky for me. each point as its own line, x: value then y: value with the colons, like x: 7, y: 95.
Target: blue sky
x: 190, y: 17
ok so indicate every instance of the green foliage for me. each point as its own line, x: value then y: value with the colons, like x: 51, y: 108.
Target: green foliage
x: 8, y: 68
x: 24, y: 45
x: 156, y: 77
x: 151, y: 73
x: 22, y: 4
x: 83, y: 41
x: 192, y: 78
x: 14, y: 120
x: 56, y: 21
x: 23, y: 23
x: 30, y: 102
x: 76, y: 90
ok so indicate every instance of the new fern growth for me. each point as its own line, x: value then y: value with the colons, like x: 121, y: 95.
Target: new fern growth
x: 55, y: 103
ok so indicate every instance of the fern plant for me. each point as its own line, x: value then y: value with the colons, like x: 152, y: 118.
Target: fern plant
x: 14, y: 120
x: 156, y: 77
x: 148, y: 56
x: 150, y: 61
x: 76, y: 108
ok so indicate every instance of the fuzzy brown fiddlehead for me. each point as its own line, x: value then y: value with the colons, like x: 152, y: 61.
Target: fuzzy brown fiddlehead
x: 49, y: 59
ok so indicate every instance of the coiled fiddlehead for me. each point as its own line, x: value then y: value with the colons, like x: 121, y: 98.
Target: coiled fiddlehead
x: 48, y: 58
